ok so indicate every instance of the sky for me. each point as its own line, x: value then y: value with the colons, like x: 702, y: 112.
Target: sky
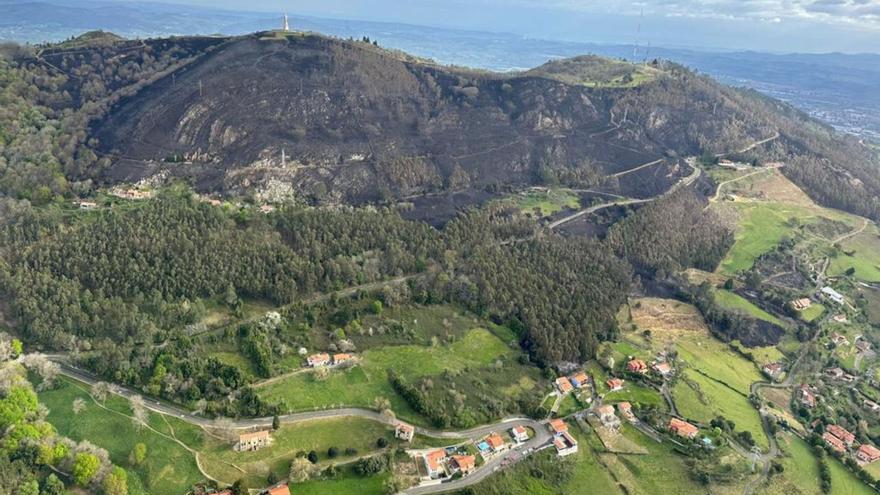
x: 762, y: 25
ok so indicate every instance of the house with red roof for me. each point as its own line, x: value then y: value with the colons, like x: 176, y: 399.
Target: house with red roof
x: 682, y: 428
x: 250, y: 441
x: 835, y: 443
x: 579, y: 379
x: 563, y: 385
x: 558, y: 426
x: 614, y: 384
x: 496, y: 442
x: 320, y: 359
x: 867, y: 453
x: 806, y: 396
x: 637, y: 366
x: 464, y: 463
x: 662, y: 368
x: 841, y: 433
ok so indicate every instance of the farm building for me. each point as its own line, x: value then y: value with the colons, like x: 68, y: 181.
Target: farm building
x: 833, y: 442
x: 867, y: 453
x: 637, y: 366
x: 278, y: 490
x: 607, y: 416
x: 625, y: 409
x: 342, y: 358
x: 252, y: 441
x: 404, y: 432
x: 773, y: 369
x: 662, y: 368
x: 841, y: 433
x: 806, y: 396
x: 801, y: 304
x: 833, y: 295
x: 614, y: 384
x: 682, y: 428
x: 320, y: 359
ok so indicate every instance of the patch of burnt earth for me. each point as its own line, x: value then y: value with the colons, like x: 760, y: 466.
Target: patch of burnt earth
x: 438, y: 209
x: 595, y: 224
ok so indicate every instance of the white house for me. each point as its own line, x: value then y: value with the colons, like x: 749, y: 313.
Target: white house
x: 833, y: 295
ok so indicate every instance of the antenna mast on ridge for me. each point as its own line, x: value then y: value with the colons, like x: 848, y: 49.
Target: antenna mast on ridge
x: 286, y: 27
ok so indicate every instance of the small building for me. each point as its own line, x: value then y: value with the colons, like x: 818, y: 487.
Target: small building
x: 565, y: 444
x: 636, y: 366
x: 464, y: 463
x: 863, y: 345
x: 86, y: 205
x: 252, y: 441
x: 558, y: 426
x: 320, y: 359
x: 801, y: 304
x: 579, y: 380
x: 833, y: 295
x: 342, y: 358
x: 873, y: 406
x: 404, y: 432
x: 625, y: 410
x: 563, y: 385
x: 805, y: 396
x: 840, y: 374
x: 266, y: 209
x: 278, y: 490
x: 682, y: 428
x: 614, y: 384
x: 773, y: 370
x: 840, y: 318
x: 434, y: 463
x: 519, y: 434
x: 607, y: 416
x: 839, y: 339
x: 662, y: 368
x: 833, y: 442
x: 841, y: 433
x: 867, y: 453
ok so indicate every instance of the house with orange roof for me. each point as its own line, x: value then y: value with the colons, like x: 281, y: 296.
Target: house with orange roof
x: 404, y: 432
x: 495, y: 442
x: 662, y: 368
x: 842, y: 433
x: 625, y: 409
x: 835, y: 443
x: 579, y: 380
x: 565, y: 444
x: 607, y: 416
x: 278, y: 490
x: 563, y: 385
x: 464, y: 463
x: 519, y: 434
x: 342, y: 358
x: 637, y: 366
x: 252, y: 441
x: 682, y: 428
x: 434, y: 463
x: 614, y: 384
x: 867, y: 453
x: 558, y: 426
x: 320, y: 359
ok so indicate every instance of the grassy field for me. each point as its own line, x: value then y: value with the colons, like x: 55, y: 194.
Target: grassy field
x: 714, y: 359
x: 733, y: 301
x: 767, y: 354
x: 169, y: 467
x: 545, y: 203
x: 761, y: 228
x: 865, y: 256
x: 220, y: 460
x: 812, y: 312
x: 711, y: 398
x: 360, y: 385
x: 662, y: 471
x: 632, y: 392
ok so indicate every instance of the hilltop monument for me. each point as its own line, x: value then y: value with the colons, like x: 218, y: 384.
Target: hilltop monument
x: 286, y: 26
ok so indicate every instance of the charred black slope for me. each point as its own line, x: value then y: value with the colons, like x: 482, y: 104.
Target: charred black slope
x: 346, y: 121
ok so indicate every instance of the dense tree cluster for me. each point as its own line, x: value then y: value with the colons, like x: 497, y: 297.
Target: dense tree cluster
x: 671, y: 234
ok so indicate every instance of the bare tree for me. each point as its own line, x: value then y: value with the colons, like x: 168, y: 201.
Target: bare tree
x: 41, y: 365
x: 138, y: 411
x: 79, y: 405
x: 100, y: 390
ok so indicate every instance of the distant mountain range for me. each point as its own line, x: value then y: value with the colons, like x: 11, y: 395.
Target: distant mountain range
x: 836, y: 88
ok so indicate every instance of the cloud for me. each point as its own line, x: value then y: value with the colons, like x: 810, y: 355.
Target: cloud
x: 863, y: 13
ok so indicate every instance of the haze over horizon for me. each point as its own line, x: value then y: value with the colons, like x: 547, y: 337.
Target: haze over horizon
x: 808, y: 26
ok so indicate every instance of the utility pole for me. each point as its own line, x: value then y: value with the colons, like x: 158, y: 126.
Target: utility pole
x: 201, y: 89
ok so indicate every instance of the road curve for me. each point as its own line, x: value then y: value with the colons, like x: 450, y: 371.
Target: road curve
x: 541, y: 437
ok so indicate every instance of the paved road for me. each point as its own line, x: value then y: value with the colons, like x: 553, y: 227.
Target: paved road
x: 541, y: 437
x: 684, y: 182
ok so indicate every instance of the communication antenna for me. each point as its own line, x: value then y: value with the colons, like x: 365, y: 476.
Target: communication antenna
x: 283, y: 158
x: 638, y: 34
x: 286, y: 27
x: 201, y: 89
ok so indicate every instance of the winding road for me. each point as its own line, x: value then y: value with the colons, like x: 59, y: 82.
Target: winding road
x: 541, y: 438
